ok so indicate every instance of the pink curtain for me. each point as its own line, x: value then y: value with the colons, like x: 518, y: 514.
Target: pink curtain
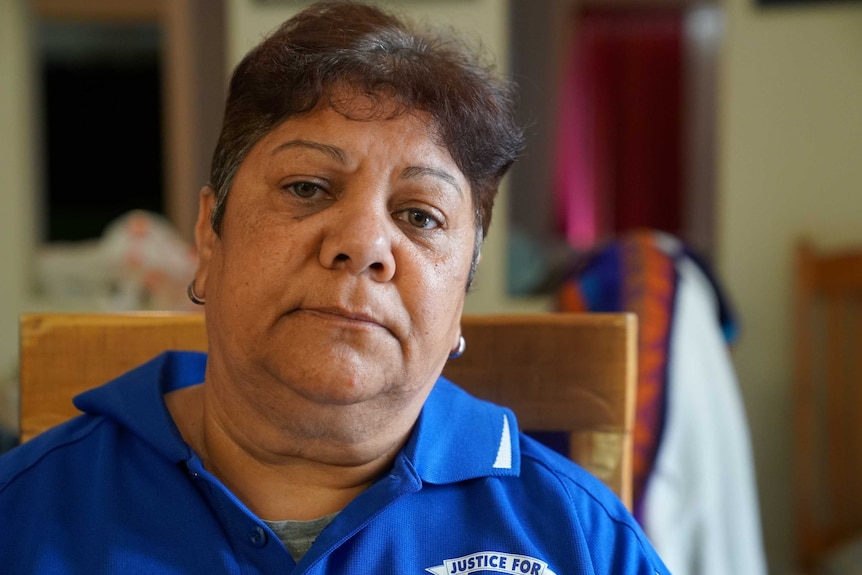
x: 618, y: 151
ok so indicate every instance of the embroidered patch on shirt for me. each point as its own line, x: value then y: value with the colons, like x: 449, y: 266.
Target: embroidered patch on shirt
x: 492, y: 561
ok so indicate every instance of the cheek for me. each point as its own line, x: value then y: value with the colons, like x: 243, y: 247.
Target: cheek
x: 262, y: 243
x: 248, y: 277
x: 438, y: 294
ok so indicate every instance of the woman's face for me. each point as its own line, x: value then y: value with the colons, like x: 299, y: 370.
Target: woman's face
x: 338, y: 280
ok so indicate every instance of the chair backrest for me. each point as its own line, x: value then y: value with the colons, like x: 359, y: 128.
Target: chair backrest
x: 828, y: 400
x: 571, y: 374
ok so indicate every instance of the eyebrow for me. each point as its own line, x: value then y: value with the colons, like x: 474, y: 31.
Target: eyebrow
x: 336, y: 153
x: 418, y: 171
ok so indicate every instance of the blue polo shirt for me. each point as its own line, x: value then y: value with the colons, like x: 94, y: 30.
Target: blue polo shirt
x: 117, y: 490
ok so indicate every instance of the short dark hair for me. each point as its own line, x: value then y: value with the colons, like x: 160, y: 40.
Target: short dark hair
x: 334, y: 45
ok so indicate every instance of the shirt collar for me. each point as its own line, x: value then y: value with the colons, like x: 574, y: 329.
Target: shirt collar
x: 135, y: 400
x: 457, y: 437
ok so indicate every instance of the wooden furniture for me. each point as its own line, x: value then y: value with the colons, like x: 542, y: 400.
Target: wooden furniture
x: 828, y: 400
x: 570, y: 373
x: 561, y: 372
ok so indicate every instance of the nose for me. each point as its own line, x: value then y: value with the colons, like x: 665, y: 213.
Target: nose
x: 359, y: 239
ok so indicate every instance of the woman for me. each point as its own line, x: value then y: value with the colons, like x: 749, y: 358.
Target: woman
x: 351, y: 188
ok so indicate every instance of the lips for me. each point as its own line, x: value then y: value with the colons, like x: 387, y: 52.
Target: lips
x: 358, y: 318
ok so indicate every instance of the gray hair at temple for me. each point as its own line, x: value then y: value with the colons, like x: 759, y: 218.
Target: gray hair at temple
x: 338, y: 45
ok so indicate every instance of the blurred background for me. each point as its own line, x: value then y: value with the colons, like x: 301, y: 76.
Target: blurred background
x: 734, y: 125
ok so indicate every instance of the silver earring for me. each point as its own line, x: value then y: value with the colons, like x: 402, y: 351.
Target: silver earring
x: 462, y: 345
x: 190, y: 291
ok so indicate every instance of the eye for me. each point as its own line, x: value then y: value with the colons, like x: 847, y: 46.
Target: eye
x: 305, y: 190
x: 420, y: 219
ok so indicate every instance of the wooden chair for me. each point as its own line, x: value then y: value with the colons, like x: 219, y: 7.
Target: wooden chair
x: 569, y: 373
x: 828, y: 400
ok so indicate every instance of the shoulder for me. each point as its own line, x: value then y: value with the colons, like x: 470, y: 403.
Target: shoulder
x: 118, y: 419
x: 51, y: 454
x: 541, y: 463
x: 612, y: 535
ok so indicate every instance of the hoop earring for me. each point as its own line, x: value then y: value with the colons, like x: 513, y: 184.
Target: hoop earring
x: 190, y: 291
x: 462, y: 345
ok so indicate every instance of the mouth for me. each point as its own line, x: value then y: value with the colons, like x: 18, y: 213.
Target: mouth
x: 344, y: 317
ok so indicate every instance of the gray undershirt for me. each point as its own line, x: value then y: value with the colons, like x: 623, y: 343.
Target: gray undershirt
x: 298, y: 536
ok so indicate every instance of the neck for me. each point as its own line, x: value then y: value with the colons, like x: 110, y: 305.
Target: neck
x: 282, y: 472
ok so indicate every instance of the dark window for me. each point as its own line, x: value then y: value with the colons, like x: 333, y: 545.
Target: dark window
x: 102, y: 113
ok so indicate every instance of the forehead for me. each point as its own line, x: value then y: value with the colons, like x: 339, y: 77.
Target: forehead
x: 363, y: 126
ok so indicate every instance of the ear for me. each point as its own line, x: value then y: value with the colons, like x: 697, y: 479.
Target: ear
x: 205, y: 238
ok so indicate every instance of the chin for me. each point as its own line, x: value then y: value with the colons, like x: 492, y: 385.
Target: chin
x: 336, y: 381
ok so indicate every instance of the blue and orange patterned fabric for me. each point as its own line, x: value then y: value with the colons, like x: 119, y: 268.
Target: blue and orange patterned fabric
x: 633, y: 274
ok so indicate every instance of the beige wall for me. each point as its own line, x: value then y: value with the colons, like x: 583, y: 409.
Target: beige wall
x: 790, y: 164
x: 17, y: 177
